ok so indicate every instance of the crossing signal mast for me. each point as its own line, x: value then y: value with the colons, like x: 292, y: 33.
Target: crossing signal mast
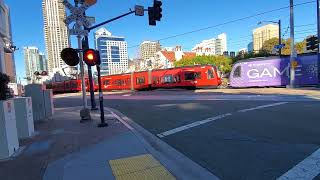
x: 155, y: 13
x: 82, y: 27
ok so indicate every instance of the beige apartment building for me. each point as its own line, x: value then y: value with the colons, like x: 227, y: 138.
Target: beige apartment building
x: 55, y: 33
x: 262, y: 34
x: 148, y: 49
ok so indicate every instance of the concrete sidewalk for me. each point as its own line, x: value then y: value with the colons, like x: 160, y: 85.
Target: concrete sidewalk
x: 65, y: 149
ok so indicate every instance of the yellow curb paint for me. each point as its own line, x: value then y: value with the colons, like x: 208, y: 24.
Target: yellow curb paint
x: 142, y: 167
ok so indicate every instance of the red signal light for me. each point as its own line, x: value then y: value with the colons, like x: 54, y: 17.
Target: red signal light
x: 91, y: 57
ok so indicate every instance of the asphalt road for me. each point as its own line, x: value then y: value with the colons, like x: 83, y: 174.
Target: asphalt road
x: 234, y: 137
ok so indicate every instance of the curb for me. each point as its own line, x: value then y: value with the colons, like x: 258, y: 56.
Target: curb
x: 177, y: 163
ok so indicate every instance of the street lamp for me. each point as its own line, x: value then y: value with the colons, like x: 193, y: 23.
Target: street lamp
x: 280, y: 38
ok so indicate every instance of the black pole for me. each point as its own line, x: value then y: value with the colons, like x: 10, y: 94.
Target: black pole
x: 110, y: 20
x: 85, y: 45
x: 280, y: 37
x: 103, y: 122
x: 318, y: 22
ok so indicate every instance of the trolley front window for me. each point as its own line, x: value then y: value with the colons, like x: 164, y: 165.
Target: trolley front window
x: 237, y: 72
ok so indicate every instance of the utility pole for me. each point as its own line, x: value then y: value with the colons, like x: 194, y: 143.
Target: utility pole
x: 318, y: 20
x: 293, y: 56
x: 280, y: 37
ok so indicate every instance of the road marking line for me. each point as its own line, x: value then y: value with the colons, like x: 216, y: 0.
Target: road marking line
x: 188, y: 126
x: 309, y: 168
x: 261, y: 107
x: 120, y: 119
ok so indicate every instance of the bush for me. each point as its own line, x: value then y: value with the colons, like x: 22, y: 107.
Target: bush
x: 4, y: 90
x: 223, y: 63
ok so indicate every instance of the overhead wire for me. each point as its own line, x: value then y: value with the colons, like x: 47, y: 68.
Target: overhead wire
x: 231, y: 21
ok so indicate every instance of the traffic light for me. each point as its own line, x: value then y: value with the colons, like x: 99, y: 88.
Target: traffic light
x: 152, y: 20
x: 91, y: 57
x: 155, y: 12
x: 312, y: 43
x: 70, y: 56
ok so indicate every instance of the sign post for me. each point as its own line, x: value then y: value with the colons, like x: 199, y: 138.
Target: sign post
x: 78, y: 16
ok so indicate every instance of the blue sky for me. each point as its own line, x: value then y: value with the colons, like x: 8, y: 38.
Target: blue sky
x: 179, y: 16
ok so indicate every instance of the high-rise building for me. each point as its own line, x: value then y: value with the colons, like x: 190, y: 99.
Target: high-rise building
x: 250, y: 47
x: 43, y: 62
x: 113, y: 52
x: 262, y: 34
x: 214, y: 46
x: 55, y: 32
x: 31, y: 62
x: 34, y: 61
x: 7, y: 64
x: 148, y: 49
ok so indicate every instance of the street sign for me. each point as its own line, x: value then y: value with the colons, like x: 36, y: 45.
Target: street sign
x: 78, y: 32
x: 139, y: 10
x: 91, y: 19
x: 279, y: 46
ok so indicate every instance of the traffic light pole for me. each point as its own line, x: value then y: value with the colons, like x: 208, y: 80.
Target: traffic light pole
x: 85, y: 45
x: 103, y: 122
x: 84, y: 113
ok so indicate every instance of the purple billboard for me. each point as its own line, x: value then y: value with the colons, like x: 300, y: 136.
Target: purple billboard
x: 274, y: 71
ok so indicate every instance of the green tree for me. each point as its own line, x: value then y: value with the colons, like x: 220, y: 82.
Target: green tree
x: 222, y: 62
x: 4, y: 90
x: 269, y: 45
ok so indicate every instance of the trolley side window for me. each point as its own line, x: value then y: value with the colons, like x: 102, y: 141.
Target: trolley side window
x: 210, y: 74
x: 140, y: 80
x: 168, y: 78
x: 177, y: 79
x: 155, y: 80
x: 189, y: 76
x: 237, y: 72
x: 106, y: 82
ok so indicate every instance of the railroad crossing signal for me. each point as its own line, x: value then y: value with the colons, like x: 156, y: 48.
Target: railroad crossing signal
x: 155, y: 13
x: 78, y: 16
x: 312, y: 43
x: 91, y: 57
x: 70, y: 56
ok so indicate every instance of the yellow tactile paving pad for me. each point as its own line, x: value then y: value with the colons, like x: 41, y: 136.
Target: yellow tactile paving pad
x: 143, y: 167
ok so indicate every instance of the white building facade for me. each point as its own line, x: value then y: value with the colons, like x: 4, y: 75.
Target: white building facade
x: 214, y: 46
x: 55, y: 33
x: 113, y: 52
